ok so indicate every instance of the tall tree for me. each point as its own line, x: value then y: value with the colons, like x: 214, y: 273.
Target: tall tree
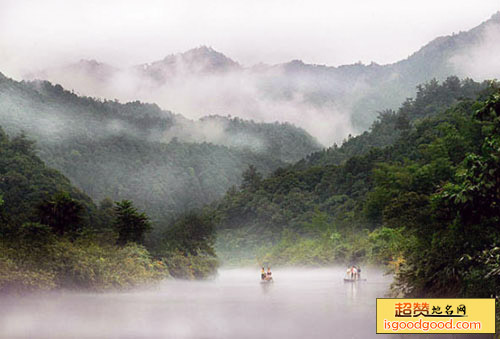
x: 192, y: 234
x: 130, y: 224
x: 251, y: 179
x: 62, y: 213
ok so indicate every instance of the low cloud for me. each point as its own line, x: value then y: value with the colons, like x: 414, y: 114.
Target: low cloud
x: 481, y: 61
x: 265, y: 95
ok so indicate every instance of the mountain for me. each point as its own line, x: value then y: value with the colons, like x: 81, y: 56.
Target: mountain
x: 329, y: 102
x: 84, y: 68
x: 162, y: 161
x: 198, y: 61
x: 438, y: 59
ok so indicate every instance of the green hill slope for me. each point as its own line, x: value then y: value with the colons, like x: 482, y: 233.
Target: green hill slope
x: 163, y: 162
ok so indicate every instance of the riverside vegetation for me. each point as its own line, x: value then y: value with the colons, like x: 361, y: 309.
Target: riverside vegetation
x: 52, y: 235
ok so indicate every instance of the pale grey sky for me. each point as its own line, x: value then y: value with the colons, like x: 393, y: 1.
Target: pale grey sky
x: 39, y: 34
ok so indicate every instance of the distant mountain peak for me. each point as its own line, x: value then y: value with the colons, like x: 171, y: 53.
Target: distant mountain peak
x: 209, y: 56
x: 200, y: 60
x: 98, y: 70
x: 295, y: 65
x: 93, y: 62
x: 296, y: 62
x: 202, y: 50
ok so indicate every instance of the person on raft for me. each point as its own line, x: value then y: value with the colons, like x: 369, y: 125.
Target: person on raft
x: 354, y: 272
x: 263, y: 274
x: 266, y: 276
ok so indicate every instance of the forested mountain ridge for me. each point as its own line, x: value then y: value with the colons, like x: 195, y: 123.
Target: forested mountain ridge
x: 431, y: 99
x: 346, y: 98
x: 26, y: 181
x: 148, y: 121
x: 163, y: 162
x: 375, y: 87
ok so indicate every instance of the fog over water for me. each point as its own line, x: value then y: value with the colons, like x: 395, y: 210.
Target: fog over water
x: 301, y: 303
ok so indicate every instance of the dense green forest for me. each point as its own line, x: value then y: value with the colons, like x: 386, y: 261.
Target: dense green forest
x: 162, y: 161
x: 425, y: 201
x: 52, y: 235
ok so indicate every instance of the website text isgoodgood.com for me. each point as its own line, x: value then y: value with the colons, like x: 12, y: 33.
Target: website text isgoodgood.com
x: 424, y: 325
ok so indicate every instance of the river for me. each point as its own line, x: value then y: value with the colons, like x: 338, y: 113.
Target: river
x: 301, y: 303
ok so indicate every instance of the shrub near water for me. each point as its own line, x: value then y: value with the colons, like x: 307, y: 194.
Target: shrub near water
x: 81, y: 264
x: 189, y: 266
x: 187, y: 247
x: 97, y: 267
x: 14, y: 279
x: 323, y: 249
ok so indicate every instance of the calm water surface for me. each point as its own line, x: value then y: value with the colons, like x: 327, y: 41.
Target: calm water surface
x: 309, y: 303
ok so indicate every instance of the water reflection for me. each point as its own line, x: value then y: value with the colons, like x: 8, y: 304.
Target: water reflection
x: 266, y: 287
x: 352, y: 288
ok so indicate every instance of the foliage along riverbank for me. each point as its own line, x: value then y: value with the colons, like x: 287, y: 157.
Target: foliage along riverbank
x: 425, y: 200
x: 53, y: 236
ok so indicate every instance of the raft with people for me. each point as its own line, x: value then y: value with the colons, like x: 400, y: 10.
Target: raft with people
x: 266, y: 277
x: 353, y: 274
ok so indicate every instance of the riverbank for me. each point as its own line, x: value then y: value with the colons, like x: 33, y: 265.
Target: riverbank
x: 87, y: 265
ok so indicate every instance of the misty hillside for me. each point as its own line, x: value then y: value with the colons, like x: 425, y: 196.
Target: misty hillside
x: 329, y: 102
x: 431, y: 98
x: 164, y: 162
x: 321, y: 209
x: 27, y: 182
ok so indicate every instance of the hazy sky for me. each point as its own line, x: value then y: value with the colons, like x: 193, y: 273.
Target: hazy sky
x: 39, y: 34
